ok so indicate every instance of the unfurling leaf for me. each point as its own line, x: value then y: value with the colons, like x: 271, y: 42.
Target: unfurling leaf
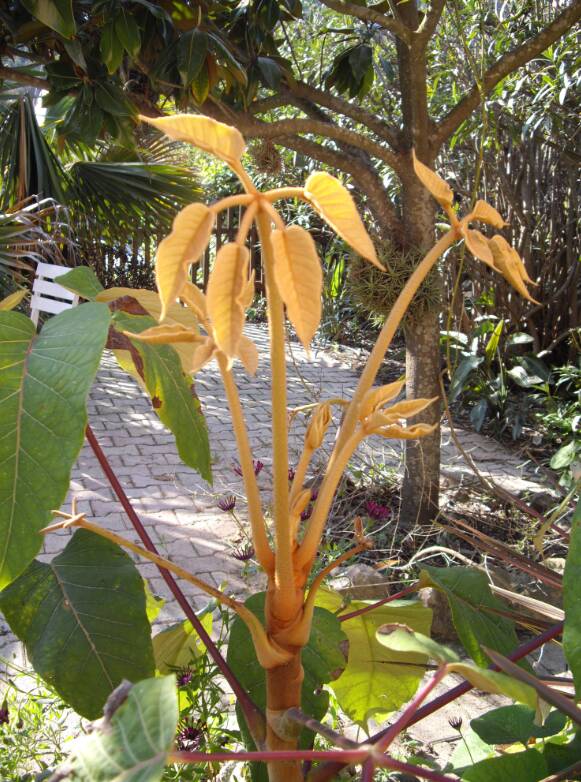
x: 299, y: 279
x: 408, y: 408
x: 203, y: 354
x: 208, y: 134
x: 318, y: 426
x: 377, y: 397
x: 166, y: 334
x: 195, y: 299
x: 487, y: 214
x: 508, y: 262
x: 12, y: 301
x: 248, y: 354
x: 188, y: 239
x: 333, y: 202
x: 225, y: 289
x: 441, y: 190
x: 396, y: 432
x: 479, y: 246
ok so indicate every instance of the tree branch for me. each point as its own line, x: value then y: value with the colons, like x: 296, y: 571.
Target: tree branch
x: 507, y: 64
x: 370, y: 16
x: 23, y: 78
x: 430, y: 22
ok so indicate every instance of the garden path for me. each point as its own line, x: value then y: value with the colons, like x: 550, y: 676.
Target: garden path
x: 178, y: 508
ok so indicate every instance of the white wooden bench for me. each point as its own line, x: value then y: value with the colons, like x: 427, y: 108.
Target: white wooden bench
x: 48, y: 295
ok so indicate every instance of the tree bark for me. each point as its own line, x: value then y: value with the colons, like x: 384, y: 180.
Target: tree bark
x: 283, y: 690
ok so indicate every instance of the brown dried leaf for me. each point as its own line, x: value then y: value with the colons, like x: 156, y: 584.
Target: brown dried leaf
x: 441, y: 190
x: 299, y: 279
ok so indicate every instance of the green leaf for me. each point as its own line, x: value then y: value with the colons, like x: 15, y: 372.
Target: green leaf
x: 376, y: 680
x: 111, y: 48
x: 522, y: 378
x: 564, y: 456
x: 127, y: 31
x: 132, y: 744
x: 191, y: 55
x: 529, y: 766
x: 493, y: 340
x: 56, y: 14
x: 83, y: 621
x: 177, y: 646
x: 572, y: 602
x: 469, y: 596
x: 153, y: 603
x: 201, y: 84
x: 460, y: 376
x: 509, y: 724
x: 44, y: 383
x: 112, y: 100
x: 322, y: 658
x: 171, y: 393
x: 83, y: 281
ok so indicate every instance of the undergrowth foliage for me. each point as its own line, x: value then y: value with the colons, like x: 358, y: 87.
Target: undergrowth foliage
x: 288, y: 642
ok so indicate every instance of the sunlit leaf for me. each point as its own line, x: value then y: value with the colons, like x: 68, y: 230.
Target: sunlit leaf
x: 571, y: 601
x: 166, y: 334
x: 248, y: 354
x: 208, y: 134
x: 12, y: 301
x: 189, y: 238
x: 83, y: 281
x: 396, y: 432
x: 204, y: 353
x: 225, y: 290
x: 508, y: 262
x: 377, y: 397
x: 487, y: 214
x: 479, y: 246
x: 83, y: 621
x: 56, y: 14
x: 179, y: 645
x: 335, y: 205
x: 195, y: 299
x: 441, y: 190
x: 299, y: 279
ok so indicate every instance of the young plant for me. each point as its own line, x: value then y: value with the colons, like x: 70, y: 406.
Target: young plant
x: 285, y: 549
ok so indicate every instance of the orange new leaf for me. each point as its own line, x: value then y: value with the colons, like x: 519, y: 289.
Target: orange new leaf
x: 299, y: 279
x: 487, y: 214
x: 225, y: 289
x: 333, y: 202
x: 248, y: 354
x: 377, y: 397
x: 166, y: 334
x: 441, y: 190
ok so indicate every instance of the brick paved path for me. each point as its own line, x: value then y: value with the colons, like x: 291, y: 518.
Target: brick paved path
x: 177, y: 507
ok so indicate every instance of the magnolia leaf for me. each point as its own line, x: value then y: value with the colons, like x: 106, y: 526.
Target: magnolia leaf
x: 44, y: 382
x: 225, y: 287
x: 195, y: 299
x: 185, y: 244
x: 83, y: 281
x: 248, y: 354
x: 299, y: 279
x: 479, y: 246
x: 176, y: 314
x: 335, y: 205
x: 171, y: 392
x: 377, y: 397
x: 208, y: 134
x: 441, y: 190
x: 166, y: 335
x: 404, y: 639
x: 487, y: 214
x: 132, y: 743
x: 376, y: 680
x: 469, y: 595
x: 83, y: 621
x: 12, y: 301
x: 177, y: 646
x: 572, y: 604
x: 204, y: 353
x: 56, y: 14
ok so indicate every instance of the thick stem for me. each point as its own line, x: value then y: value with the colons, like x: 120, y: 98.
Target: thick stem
x: 283, y: 691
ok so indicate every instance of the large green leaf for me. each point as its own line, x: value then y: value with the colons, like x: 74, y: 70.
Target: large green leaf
x: 83, y: 621
x: 83, y: 281
x: 322, y: 658
x: 572, y: 601
x: 529, y: 766
x: 56, y: 14
x: 132, y: 744
x: 510, y: 724
x: 475, y: 610
x: 377, y: 680
x: 191, y: 54
x: 44, y: 382
x: 177, y: 646
x: 171, y: 391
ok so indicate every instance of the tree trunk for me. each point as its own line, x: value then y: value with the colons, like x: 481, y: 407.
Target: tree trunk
x: 283, y: 691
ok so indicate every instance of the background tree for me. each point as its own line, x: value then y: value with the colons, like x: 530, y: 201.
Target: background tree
x: 355, y: 87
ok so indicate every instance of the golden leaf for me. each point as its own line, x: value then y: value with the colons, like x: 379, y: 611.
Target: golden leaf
x: 203, y: 353
x: 185, y: 244
x: 377, y: 397
x: 318, y: 426
x: 208, y: 134
x: 299, y: 279
x: 487, y: 214
x: 13, y: 300
x: 479, y: 246
x: 508, y: 262
x: 247, y: 295
x: 333, y: 202
x: 165, y: 334
x: 195, y: 299
x: 248, y: 354
x: 396, y: 432
x: 151, y: 302
x: 406, y: 409
x: 300, y: 502
x: 441, y: 190
x: 225, y: 287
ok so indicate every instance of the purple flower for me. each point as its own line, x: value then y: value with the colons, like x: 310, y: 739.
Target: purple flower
x: 243, y: 553
x: 237, y: 469
x: 314, y: 494
x: 258, y: 466
x: 4, y: 713
x: 291, y: 474
x: 306, y: 514
x: 184, y: 677
x: 456, y: 722
x: 189, y: 737
x: 227, y: 504
x: 377, y: 511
